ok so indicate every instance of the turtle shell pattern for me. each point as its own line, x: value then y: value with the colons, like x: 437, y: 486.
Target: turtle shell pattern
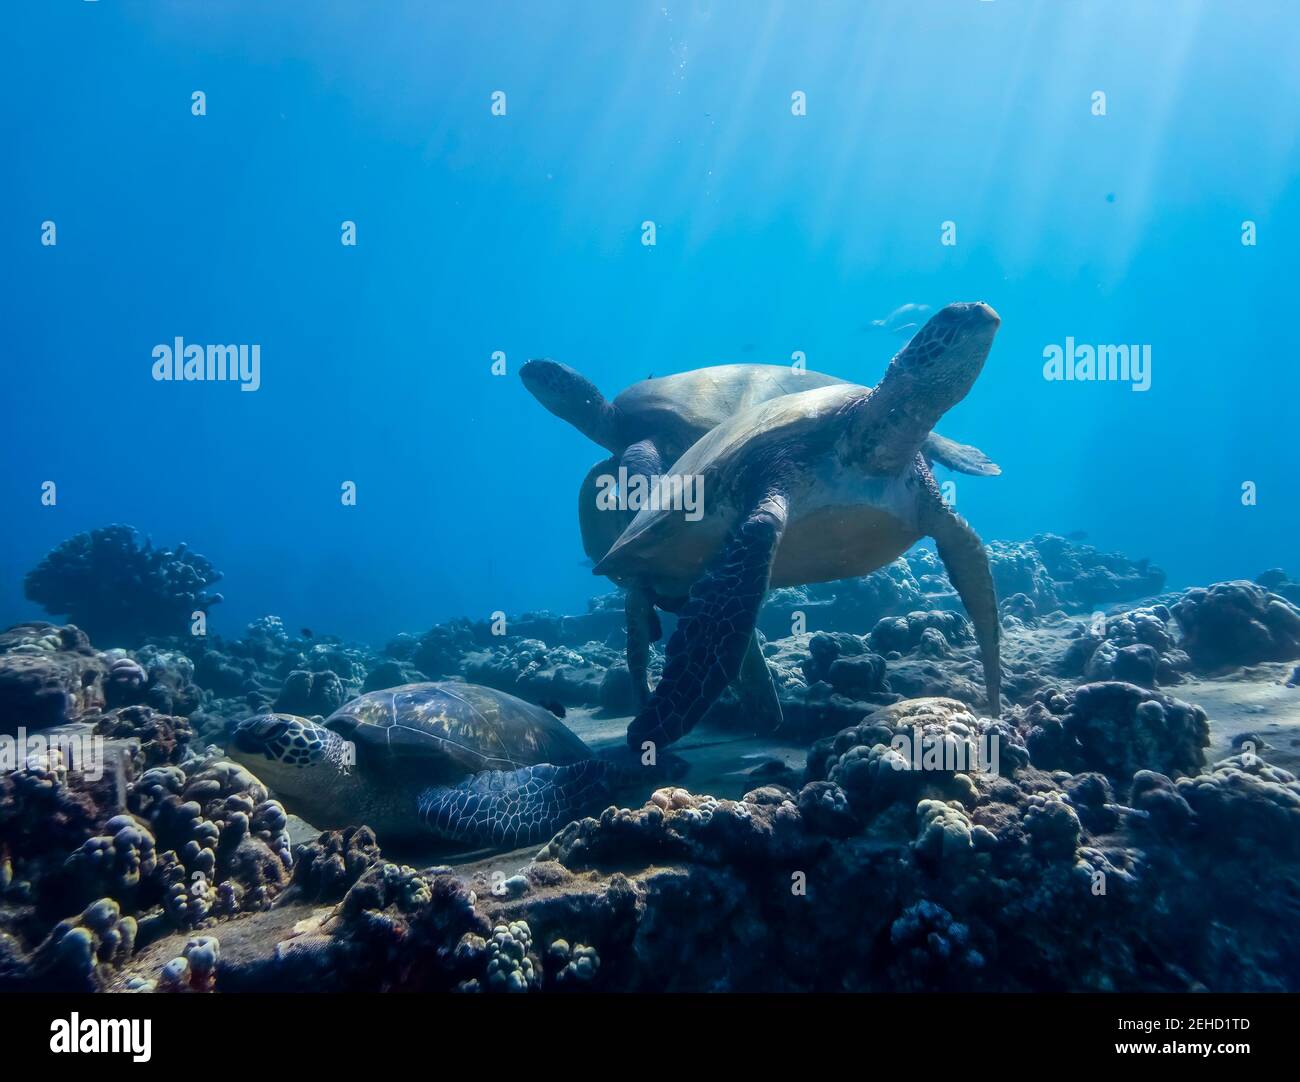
x: 452, y: 730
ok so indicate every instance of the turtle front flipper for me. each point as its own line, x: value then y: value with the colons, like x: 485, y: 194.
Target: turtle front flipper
x: 757, y: 692
x: 643, y: 459
x: 961, y: 457
x: 514, y: 808
x: 715, y: 628
x: 967, y: 562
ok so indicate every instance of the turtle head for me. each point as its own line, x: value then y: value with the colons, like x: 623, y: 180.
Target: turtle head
x: 292, y: 755
x: 930, y: 375
x: 947, y: 354
x: 572, y: 397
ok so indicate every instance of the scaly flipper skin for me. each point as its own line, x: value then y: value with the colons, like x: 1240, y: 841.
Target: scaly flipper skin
x: 967, y: 562
x: 715, y: 628
x: 757, y: 692
x: 514, y: 808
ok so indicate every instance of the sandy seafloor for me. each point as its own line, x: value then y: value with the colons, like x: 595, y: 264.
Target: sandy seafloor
x: 1257, y: 701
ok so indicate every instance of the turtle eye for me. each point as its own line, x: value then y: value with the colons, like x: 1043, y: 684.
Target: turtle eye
x: 254, y: 734
x: 275, y: 730
x: 262, y: 729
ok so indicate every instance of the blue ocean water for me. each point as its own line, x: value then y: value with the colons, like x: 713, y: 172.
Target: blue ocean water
x: 522, y: 234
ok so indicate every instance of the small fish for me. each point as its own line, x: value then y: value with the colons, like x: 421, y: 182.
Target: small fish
x: 555, y: 708
x: 902, y: 319
x: 306, y: 633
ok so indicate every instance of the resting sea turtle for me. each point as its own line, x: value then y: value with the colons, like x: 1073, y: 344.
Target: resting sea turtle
x: 820, y: 485
x: 648, y: 426
x: 475, y: 766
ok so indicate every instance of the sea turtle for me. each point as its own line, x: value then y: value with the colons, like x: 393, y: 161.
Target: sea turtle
x: 820, y: 485
x: 475, y: 766
x: 651, y: 423
x: 648, y: 426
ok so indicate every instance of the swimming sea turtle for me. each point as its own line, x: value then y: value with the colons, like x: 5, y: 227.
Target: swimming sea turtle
x: 475, y: 766
x: 820, y: 485
x: 651, y: 423
x: 648, y: 426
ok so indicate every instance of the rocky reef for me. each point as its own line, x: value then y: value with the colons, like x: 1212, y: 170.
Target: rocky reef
x: 834, y: 649
x: 907, y: 859
x: 878, y: 873
x: 1237, y: 623
x: 194, y: 844
x: 1083, y: 841
x: 1055, y: 572
x: 48, y: 675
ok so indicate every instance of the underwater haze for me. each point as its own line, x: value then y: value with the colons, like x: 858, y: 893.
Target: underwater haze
x: 809, y: 170
x: 919, y: 377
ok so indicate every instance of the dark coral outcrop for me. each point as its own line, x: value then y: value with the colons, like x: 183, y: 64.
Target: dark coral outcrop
x: 48, y: 675
x: 120, y: 588
x: 1054, y: 572
x: 1116, y: 729
x: 1231, y: 624
x: 1139, y: 646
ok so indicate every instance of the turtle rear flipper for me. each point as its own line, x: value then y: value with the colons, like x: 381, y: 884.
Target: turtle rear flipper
x: 642, y: 629
x: 967, y: 563
x: 715, y: 628
x: 756, y: 690
x: 513, y: 808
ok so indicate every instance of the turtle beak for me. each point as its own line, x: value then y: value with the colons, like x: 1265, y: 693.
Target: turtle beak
x: 541, y: 375
x: 988, y: 313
